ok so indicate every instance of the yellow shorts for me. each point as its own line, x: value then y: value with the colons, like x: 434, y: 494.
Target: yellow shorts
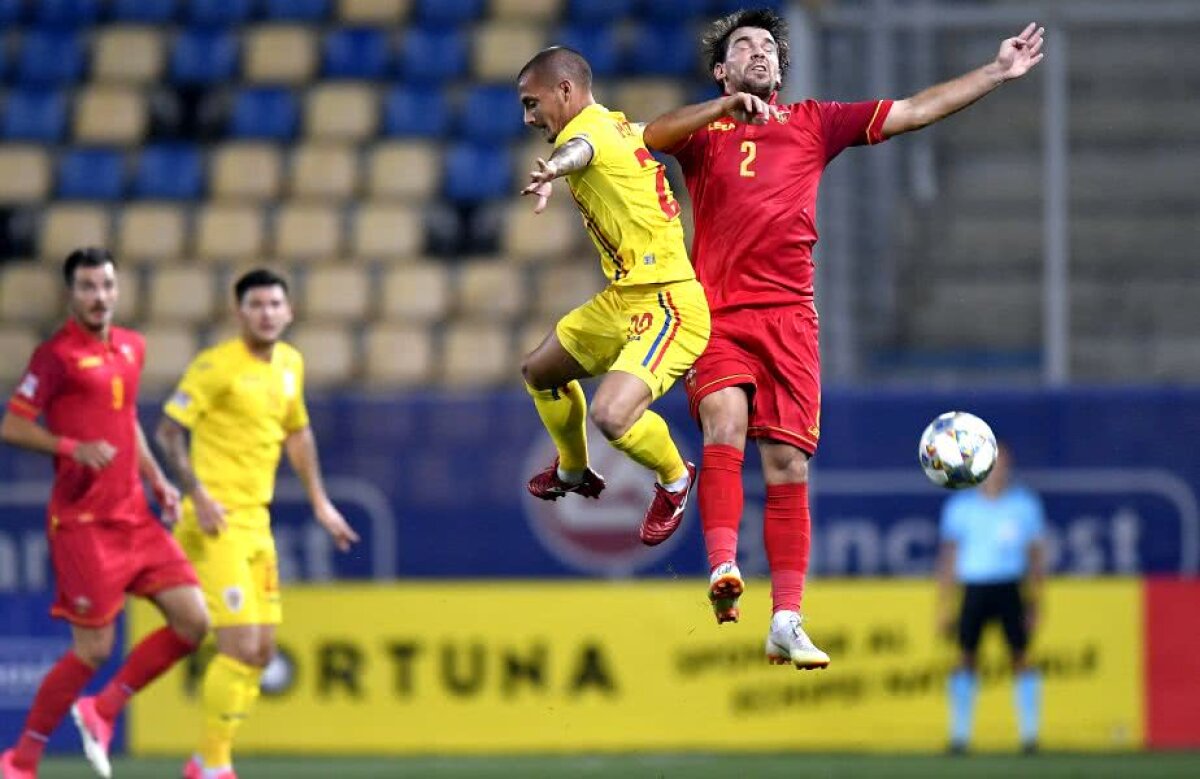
x: 654, y: 331
x: 238, y: 570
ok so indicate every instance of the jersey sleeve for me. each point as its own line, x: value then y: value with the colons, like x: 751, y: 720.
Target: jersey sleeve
x: 590, y: 126
x: 690, y: 150
x: 297, y: 412
x: 852, y: 124
x: 199, y: 387
x: 42, y: 380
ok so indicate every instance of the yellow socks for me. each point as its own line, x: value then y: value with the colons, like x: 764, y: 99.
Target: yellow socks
x: 648, y: 443
x: 564, y: 413
x: 229, y: 692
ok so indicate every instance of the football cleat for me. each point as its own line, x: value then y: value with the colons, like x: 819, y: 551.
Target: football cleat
x: 666, y: 511
x: 725, y: 588
x: 96, y: 733
x: 788, y: 643
x: 10, y: 771
x: 547, y: 486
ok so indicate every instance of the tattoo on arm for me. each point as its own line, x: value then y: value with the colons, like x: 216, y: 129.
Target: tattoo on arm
x: 173, y: 439
x: 575, y: 154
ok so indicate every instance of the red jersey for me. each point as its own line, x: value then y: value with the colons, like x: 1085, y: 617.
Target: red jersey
x: 754, y: 198
x: 86, y: 389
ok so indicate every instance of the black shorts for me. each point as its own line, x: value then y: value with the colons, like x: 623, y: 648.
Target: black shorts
x: 983, y: 603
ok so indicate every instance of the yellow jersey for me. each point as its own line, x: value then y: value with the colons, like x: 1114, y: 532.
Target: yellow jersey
x: 626, y: 202
x: 239, y: 410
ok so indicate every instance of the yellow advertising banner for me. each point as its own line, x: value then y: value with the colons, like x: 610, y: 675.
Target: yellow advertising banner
x: 577, y: 667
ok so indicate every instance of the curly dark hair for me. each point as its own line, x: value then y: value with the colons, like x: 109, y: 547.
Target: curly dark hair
x: 715, y: 42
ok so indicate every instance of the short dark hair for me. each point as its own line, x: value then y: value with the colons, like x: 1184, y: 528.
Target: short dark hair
x: 561, y: 62
x: 716, y: 41
x: 86, y: 257
x: 259, y: 277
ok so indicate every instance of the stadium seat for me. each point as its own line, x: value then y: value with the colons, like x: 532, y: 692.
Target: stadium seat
x: 403, y: 169
x: 337, y: 293
x: 129, y: 302
x: 127, y: 54
x: 598, y: 43
x: 50, y: 57
x: 563, y: 286
x: 662, y: 50
x: 249, y: 170
x: 492, y: 113
x: 448, y: 12
x: 477, y: 354
x: 304, y: 231
x: 361, y: 53
x: 343, y: 112
x: 204, y: 57
x: 490, y: 289
x: 324, y: 170
x: 229, y: 232
x: 144, y: 11
x: 110, y: 115
x: 169, y: 349
x: 169, y: 172
x: 11, y: 12
x: 265, y: 112
x: 386, y: 231
x: 531, y: 334
x: 35, y: 114
x: 66, y: 13
x: 24, y: 174
x: 67, y: 226
x: 182, y: 293
x: 645, y: 99
x: 431, y: 55
x: 329, y: 353
x: 30, y: 293
x: 151, y: 231
x: 676, y: 11
x: 598, y: 11
x: 297, y: 10
x: 17, y: 343
x: 556, y: 233
x: 375, y: 12
x: 721, y: 7
x: 279, y: 54
x: 526, y: 10
x: 415, y: 111
x: 419, y: 292
x: 476, y: 172
x: 91, y: 174
x: 502, y: 49
x: 217, y: 13
x: 396, y: 355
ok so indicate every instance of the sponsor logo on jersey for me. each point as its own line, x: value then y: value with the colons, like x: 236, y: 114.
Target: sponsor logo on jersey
x: 28, y: 387
x: 91, y: 361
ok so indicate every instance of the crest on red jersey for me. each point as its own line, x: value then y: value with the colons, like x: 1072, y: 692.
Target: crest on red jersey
x: 28, y: 386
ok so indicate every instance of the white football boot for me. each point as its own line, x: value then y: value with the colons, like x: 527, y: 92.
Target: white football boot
x: 788, y: 643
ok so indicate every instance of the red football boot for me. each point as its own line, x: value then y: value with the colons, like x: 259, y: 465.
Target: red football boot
x: 666, y: 511
x: 547, y: 486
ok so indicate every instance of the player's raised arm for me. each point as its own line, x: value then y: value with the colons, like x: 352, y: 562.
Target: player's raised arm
x: 1017, y: 56
x: 673, y: 128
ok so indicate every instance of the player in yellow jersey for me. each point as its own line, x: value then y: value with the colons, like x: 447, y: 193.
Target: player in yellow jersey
x: 243, y: 403
x: 651, y: 322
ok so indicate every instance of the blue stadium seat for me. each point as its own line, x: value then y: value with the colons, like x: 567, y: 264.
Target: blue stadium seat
x: 596, y: 42
x: 11, y: 12
x: 705, y: 91
x: 268, y: 112
x: 433, y: 55
x: 492, y: 113
x: 50, y: 57
x: 475, y: 172
x: 662, y: 50
x: 35, y: 115
x: 415, y: 111
x: 66, y: 13
x: 145, y: 11
x: 448, y: 12
x: 169, y: 171
x: 603, y: 11
x: 297, y: 10
x: 204, y: 57
x: 217, y: 13
x: 356, y: 53
x: 677, y: 11
x: 721, y: 7
x: 91, y: 174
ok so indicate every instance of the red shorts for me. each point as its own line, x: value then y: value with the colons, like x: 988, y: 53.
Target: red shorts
x: 774, y: 353
x: 96, y: 563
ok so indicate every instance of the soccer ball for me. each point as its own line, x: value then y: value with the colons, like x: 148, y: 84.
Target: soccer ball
x: 957, y: 450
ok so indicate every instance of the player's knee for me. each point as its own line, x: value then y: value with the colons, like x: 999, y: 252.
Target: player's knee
x: 263, y: 654
x: 192, y: 626
x: 532, y: 376
x: 611, y: 418
x: 724, y: 430
x: 788, y: 465
x: 94, y: 650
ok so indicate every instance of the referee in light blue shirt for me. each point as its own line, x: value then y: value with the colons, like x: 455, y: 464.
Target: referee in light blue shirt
x: 992, y: 545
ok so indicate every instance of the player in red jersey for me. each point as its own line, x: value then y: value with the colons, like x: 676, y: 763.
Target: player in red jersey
x: 104, y: 542
x: 752, y: 167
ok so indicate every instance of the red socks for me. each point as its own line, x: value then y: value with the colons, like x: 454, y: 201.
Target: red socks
x: 721, y: 498
x: 787, y: 535
x: 153, y: 655
x: 59, y: 689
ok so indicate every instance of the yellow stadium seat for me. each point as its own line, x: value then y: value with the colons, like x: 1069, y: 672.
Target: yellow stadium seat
x: 556, y: 233
x: 307, y: 231
x: 373, y: 12
x: 127, y: 54
x: 229, y: 232
x: 31, y: 293
x: 502, y: 48
x: 477, y: 354
x: 387, y: 231
x: 404, y: 169
x: 419, y: 292
x: 169, y: 349
x: 151, y: 231
x: 490, y: 289
x: 129, y: 297
x: 113, y: 115
x: 68, y: 226
x: 329, y: 353
x: 563, y: 286
x: 182, y: 293
x: 531, y: 334
x: 341, y: 112
x: 399, y: 355
x: 17, y: 343
x: 532, y: 10
x: 246, y: 170
x: 644, y: 100
x: 24, y: 174
x: 339, y: 293
x: 279, y: 54
x: 324, y: 170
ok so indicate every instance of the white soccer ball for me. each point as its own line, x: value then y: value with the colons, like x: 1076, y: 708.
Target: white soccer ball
x: 957, y: 450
